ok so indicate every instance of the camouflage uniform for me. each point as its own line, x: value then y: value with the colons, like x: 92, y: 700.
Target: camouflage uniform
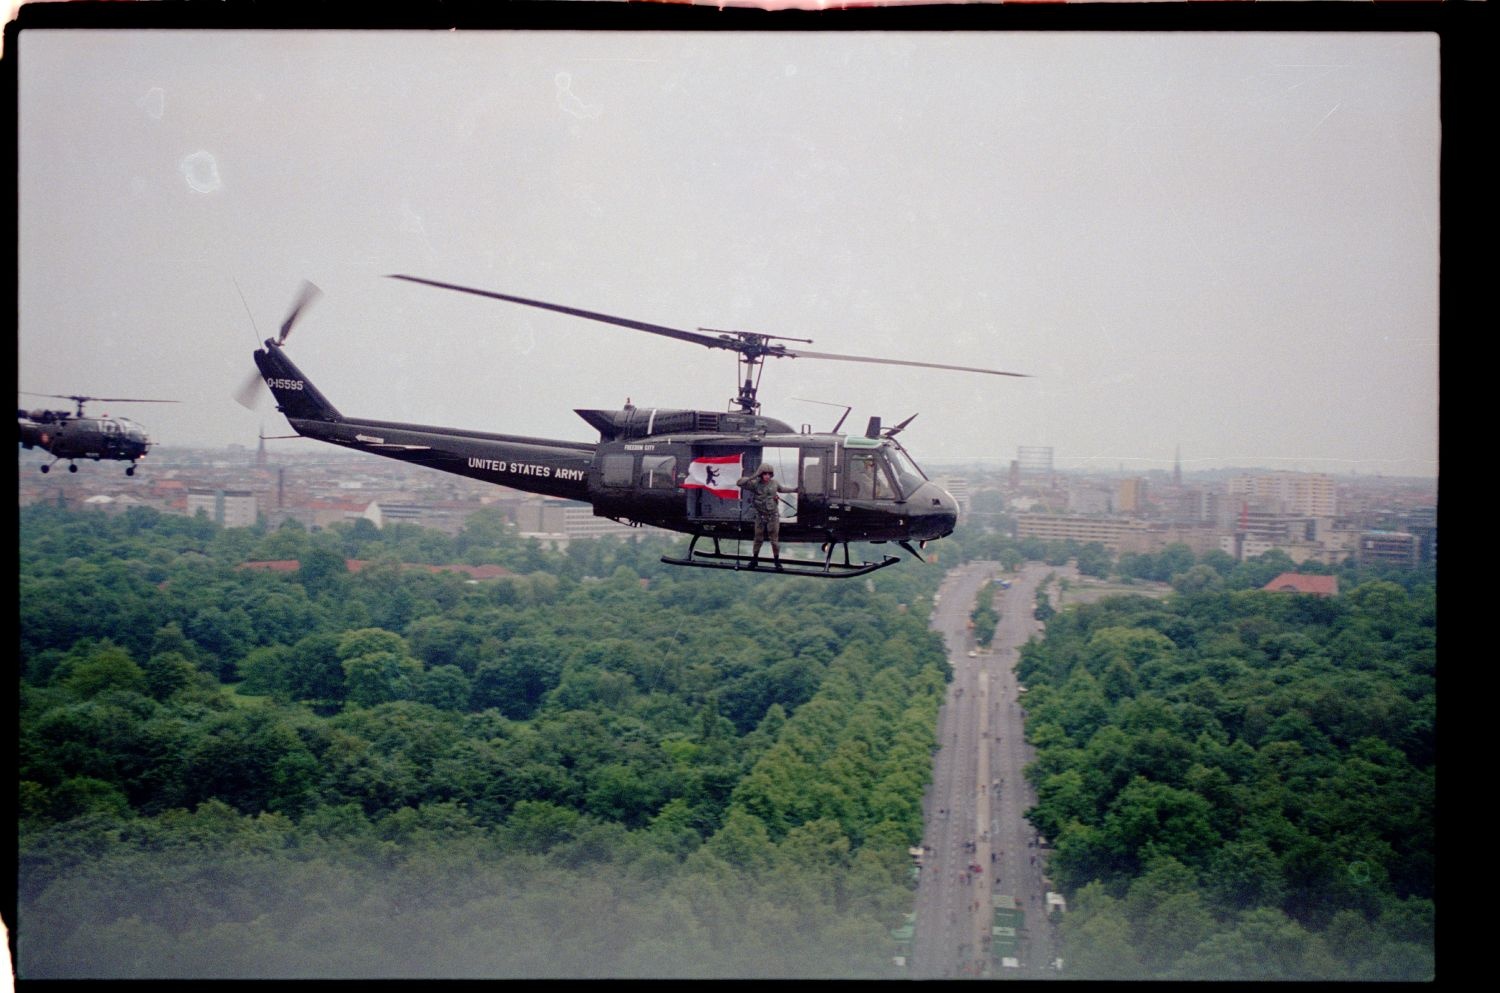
x: 764, y: 498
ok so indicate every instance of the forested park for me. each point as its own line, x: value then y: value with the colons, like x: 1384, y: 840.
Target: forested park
x: 602, y: 766
x: 1240, y: 783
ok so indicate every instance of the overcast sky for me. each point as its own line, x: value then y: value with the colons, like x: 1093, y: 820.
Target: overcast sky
x: 1225, y: 243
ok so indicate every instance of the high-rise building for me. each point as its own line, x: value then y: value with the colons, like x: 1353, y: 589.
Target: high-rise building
x: 1117, y: 534
x: 1394, y: 547
x: 1034, y: 464
x: 227, y: 508
x: 1131, y: 496
x: 1086, y: 498
x: 958, y: 488
x: 1306, y: 494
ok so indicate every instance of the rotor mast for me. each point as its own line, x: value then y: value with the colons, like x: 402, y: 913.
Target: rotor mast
x: 753, y: 349
x: 746, y: 399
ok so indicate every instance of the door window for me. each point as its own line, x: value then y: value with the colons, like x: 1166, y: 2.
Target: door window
x: 618, y: 470
x: 658, y: 472
x: 814, y: 475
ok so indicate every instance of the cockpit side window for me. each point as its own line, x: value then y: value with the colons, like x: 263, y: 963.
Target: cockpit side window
x: 865, y: 477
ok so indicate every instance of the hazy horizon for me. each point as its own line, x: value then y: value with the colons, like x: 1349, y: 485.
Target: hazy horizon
x: 301, y: 449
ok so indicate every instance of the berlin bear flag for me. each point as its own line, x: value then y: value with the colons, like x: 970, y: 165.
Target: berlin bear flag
x: 718, y: 474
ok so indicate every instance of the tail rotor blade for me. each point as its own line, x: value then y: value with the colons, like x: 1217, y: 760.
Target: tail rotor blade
x: 309, y: 293
x: 251, y: 392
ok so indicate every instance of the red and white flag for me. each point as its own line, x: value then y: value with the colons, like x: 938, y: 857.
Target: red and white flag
x: 719, y: 474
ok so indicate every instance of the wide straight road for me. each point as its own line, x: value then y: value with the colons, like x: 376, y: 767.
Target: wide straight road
x: 949, y: 926
x: 977, y: 842
x: 1020, y: 865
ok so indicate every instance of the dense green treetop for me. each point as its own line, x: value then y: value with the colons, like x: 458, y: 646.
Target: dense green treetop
x: 233, y: 773
x: 1274, y: 751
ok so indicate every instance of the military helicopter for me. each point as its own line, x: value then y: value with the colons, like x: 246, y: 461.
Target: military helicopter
x: 672, y: 468
x: 74, y: 436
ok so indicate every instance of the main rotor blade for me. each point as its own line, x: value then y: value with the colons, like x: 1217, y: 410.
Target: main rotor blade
x: 799, y: 354
x: 624, y: 322
x: 746, y: 343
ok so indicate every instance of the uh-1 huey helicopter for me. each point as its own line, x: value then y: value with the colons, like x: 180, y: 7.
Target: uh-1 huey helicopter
x: 75, y: 436
x: 672, y: 469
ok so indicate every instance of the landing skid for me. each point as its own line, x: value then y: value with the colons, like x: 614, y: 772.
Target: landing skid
x: 826, y: 569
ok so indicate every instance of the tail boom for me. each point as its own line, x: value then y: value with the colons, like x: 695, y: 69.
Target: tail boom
x: 558, y: 469
x: 535, y: 465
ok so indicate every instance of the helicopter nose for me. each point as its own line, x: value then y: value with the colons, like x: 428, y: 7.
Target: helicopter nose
x: 935, y: 514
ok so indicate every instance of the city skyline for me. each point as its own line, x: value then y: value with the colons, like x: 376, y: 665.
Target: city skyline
x: 298, y: 452
x: 1223, y: 245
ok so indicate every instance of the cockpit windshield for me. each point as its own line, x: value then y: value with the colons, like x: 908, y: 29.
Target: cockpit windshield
x: 879, y: 473
x: 908, y: 476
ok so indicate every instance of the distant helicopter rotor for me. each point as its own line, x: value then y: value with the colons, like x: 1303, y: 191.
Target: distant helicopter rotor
x: 79, y: 400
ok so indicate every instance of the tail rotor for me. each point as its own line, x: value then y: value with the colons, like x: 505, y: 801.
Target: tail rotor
x: 251, y: 392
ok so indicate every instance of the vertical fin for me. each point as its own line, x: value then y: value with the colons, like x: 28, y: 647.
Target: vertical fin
x: 296, y: 396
